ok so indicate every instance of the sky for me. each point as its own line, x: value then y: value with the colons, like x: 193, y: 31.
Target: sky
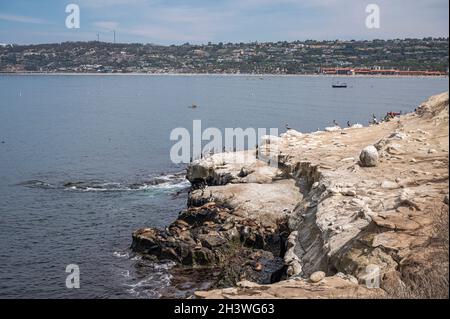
x: 202, y: 21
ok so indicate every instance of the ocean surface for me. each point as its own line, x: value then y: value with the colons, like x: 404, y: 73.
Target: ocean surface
x: 84, y: 161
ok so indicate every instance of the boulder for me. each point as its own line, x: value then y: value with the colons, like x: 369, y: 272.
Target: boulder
x: 369, y: 156
x: 317, y: 276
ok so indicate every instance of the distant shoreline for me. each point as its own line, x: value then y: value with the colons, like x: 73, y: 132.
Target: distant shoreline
x: 216, y: 74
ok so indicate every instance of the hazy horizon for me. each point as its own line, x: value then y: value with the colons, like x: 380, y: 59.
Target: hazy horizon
x: 216, y: 43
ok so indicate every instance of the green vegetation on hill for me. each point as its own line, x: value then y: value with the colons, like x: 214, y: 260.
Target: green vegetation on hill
x: 299, y: 57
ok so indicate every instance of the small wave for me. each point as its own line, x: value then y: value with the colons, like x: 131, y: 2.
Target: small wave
x: 167, y: 182
x: 157, y: 277
x: 150, y: 294
x: 162, y: 182
x: 136, y: 258
x: 164, y: 266
x: 120, y: 254
x: 149, y: 286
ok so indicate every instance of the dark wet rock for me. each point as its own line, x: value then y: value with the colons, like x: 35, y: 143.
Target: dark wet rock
x: 258, y: 266
x: 212, y: 236
x: 203, y: 256
x: 245, y: 172
x: 73, y: 184
x: 227, y: 226
x: 212, y: 240
x: 135, y: 186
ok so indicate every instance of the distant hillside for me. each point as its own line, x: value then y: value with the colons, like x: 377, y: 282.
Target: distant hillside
x: 298, y: 57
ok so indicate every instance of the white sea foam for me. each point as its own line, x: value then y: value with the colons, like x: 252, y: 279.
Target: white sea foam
x: 121, y: 254
x: 148, y: 287
x: 169, y: 182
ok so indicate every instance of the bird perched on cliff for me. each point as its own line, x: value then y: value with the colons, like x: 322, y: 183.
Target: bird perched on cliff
x: 374, y: 120
x: 288, y: 127
x: 349, y: 124
x: 335, y: 123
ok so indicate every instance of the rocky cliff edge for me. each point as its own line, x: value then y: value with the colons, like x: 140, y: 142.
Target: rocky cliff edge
x: 345, y: 213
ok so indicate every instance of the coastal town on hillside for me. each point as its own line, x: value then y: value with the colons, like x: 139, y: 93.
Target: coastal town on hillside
x: 411, y: 57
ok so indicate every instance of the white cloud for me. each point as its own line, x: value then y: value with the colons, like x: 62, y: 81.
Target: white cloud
x: 21, y: 19
x: 181, y: 23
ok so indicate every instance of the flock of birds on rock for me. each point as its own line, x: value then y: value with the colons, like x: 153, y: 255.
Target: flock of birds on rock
x: 389, y: 116
x: 374, y: 120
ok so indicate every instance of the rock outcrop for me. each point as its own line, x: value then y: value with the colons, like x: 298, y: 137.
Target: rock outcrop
x: 331, y: 287
x: 213, y: 236
x: 336, y: 221
x: 236, y: 221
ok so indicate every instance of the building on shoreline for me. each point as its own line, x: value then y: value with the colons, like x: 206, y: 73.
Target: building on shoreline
x: 379, y: 71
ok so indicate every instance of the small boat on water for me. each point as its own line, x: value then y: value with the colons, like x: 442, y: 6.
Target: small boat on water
x: 339, y: 85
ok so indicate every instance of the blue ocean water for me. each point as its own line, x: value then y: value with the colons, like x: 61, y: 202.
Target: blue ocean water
x: 84, y: 161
